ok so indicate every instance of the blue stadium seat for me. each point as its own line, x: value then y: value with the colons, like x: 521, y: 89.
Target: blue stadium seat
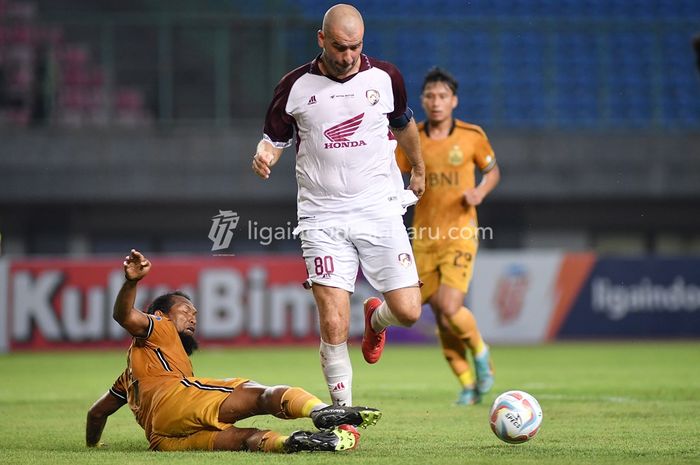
x: 520, y: 74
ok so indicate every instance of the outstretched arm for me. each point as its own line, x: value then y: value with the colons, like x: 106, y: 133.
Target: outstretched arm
x: 97, y: 417
x: 136, y: 266
x: 409, y: 141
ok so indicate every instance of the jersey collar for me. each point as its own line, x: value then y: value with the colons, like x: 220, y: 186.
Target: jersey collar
x: 316, y: 69
x: 426, y: 127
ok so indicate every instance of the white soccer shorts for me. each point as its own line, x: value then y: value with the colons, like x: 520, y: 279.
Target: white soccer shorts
x: 380, y: 247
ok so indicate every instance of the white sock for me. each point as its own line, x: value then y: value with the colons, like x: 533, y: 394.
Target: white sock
x: 382, y: 318
x: 319, y: 407
x: 337, y: 369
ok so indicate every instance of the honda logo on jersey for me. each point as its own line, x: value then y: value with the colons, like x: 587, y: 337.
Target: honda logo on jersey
x: 338, y: 135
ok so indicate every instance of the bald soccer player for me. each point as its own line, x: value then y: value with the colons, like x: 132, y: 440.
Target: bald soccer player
x: 349, y: 111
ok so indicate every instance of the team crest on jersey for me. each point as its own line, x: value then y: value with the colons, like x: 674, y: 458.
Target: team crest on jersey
x: 372, y: 96
x: 405, y: 260
x: 455, y: 157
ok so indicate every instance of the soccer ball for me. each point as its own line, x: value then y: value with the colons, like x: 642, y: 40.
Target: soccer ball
x: 515, y: 417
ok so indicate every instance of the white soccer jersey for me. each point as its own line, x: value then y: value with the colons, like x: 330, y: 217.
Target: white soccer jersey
x: 345, y: 166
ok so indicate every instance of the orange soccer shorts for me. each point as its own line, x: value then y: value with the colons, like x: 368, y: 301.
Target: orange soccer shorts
x: 450, y: 263
x: 187, y: 415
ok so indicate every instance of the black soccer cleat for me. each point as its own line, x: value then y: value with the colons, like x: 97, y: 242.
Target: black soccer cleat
x: 332, y: 416
x: 337, y: 439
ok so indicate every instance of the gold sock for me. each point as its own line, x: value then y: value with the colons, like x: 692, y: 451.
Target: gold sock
x: 466, y: 379
x: 463, y: 324
x: 272, y: 442
x: 297, y: 403
x: 454, y: 351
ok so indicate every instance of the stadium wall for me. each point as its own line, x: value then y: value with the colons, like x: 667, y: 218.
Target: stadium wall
x: 518, y: 298
x: 198, y: 164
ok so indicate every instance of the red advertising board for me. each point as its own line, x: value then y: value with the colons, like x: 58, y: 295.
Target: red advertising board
x: 49, y: 304
x: 517, y: 297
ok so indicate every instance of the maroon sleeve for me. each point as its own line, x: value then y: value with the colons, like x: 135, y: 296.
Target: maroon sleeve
x: 279, y: 125
x: 397, y: 85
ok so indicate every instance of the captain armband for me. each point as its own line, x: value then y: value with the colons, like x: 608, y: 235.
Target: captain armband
x: 402, y: 120
x: 490, y: 166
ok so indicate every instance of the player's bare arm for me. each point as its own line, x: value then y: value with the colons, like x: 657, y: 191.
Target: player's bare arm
x: 266, y: 155
x: 476, y: 195
x: 97, y: 418
x: 409, y: 141
x: 136, y: 267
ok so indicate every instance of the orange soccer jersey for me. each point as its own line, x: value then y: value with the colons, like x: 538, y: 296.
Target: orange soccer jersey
x: 167, y: 400
x: 440, y: 215
x: 154, y: 363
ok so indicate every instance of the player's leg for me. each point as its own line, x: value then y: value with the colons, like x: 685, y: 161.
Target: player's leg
x: 449, y: 303
x: 454, y: 351
x: 387, y: 262
x: 334, y: 320
x: 456, y: 267
x: 194, y: 409
x: 331, y: 262
x: 230, y: 439
x: 445, y: 303
x: 401, y: 307
x: 256, y: 440
x: 453, y: 348
x: 464, y: 325
x: 251, y: 398
x: 250, y: 439
x: 286, y: 402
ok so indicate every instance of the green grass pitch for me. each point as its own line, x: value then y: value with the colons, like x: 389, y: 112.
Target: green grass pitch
x: 617, y: 403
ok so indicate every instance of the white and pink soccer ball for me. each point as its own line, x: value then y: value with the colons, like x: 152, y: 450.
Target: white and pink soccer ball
x: 515, y: 417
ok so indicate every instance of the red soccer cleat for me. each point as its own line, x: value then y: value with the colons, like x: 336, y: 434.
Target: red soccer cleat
x: 372, y: 343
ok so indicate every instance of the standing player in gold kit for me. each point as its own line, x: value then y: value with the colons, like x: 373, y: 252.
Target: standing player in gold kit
x: 445, y: 231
